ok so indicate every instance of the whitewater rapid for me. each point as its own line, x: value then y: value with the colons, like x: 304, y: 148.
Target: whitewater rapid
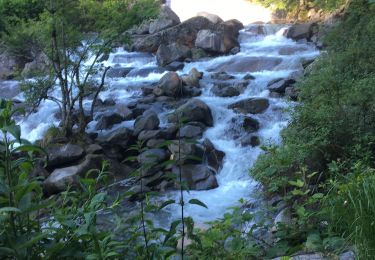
x: 234, y: 180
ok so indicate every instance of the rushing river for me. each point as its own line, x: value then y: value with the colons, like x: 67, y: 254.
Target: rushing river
x: 234, y: 180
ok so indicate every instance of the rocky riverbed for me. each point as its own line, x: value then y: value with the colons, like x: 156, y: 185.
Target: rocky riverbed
x: 224, y: 85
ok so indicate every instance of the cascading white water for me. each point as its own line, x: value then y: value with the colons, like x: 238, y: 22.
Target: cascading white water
x: 234, y: 180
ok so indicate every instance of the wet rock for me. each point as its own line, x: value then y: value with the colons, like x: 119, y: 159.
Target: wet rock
x: 192, y: 79
x: 109, y: 119
x: 283, y: 218
x: 190, y: 91
x: 212, y: 156
x: 279, y: 85
x: 94, y: 149
x: 138, y: 192
x: 61, y: 179
x: 251, y: 106
x: 155, y: 143
x: 194, y: 110
x: 250, y: 124
x: 145, y: 72
x: 10, y: 89
x: 148, y: 121
x: 119, y: 137
x: 222, y: 76
x: 301, y: 31
x: 184, y: 33
x: 185, y: 152
x: 152, y: 157
x: 166, y: 18
x: 198, y: 53
x: 143, y: 28
x: 246, y: 64
x: 175, y: 66
x: 63, y: 154
x: 223, y: 39
x: 197, y: 176
x: 248, y: 77
x: 153, y: 181
x: 211, y: 41
x: 229, y: 91
x: 250, y: 140
x: 192, y: 130
x: 167, y: 54
x: 290, y: 50
x: 292, y: 93
x: 40, y: 65
x: 349, y: 255
x: 169, y: 85
x: 8, y: 66
x: 146, y: 135
x: 140, y: 108
x: 212, y: 17
x: 118, y: 72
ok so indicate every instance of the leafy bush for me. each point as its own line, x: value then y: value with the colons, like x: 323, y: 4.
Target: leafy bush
x: 330, y: 132
x: 351, y: 209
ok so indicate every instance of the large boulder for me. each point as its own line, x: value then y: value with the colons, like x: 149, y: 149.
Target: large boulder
x: 169, y: 85
x: 8, y: 66
x: 210, y: 41
x: 184, y: 33
x: 194, y: 110
x: 212, y: 156
x: 40, y: 65
x: 220, y: 40
x: 116, y: 138
x: 167, y: 54
x: 61, y: 179
x: 197, y: 176
x: 109, y: 119
x: 301, y: 31
x: 279, y: 85
x: 251, y: 106
x: 60, y: 154
x: 145, y: 72
x: 192, y: 79
x: 229, y: 88
x: 152, y: 157
x: 191, y: 130
x: 212, y: 17
x: 186, y: 152
x: 246, y: 64
x: 118, y: 72
x: 167, y: 18
x: 148, y: 121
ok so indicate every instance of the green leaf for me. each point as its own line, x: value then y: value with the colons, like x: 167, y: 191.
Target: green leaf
x: 297, y: 183
x: 166, y: 203
x: 9, y: 209
x: 198, y: 202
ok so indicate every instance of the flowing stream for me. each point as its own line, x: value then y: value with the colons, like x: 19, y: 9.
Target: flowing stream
x: 234, y: 180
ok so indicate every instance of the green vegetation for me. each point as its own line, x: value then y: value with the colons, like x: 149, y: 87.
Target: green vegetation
x: 324, y: 171
x: 73, y: 36
x: 299, y: 8
x: 329, y: 144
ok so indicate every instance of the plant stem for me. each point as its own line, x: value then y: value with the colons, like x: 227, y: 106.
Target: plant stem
x: 181, y: 191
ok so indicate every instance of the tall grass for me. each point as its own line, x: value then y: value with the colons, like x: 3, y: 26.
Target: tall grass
x: 352, y: 211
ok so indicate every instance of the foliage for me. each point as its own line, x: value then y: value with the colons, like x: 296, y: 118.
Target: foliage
x: 13, y: 12
x: 75, y: 35
x: 351, y: 208
x: 330, y: 134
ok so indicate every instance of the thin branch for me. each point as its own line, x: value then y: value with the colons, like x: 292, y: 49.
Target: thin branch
x: 100, y: 88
